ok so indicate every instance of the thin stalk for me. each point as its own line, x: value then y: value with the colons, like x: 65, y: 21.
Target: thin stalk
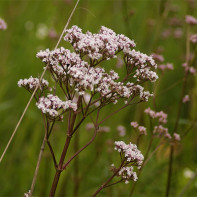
x: 178, y: 116
x: 64, y: 152
x: 39, y: 158
x: 36, y: 88
x: 106, y: 183
x: 76, y: 167
x: 169, y: 171
x: 140, y: 170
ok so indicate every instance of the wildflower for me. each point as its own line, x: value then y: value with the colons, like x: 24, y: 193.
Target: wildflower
x: 31, y: 83
x: 42, y: 31
x: 121, y: 130
x: 190, y: 20
x: 157, y: 57
x: 186, y: 99
x: 134, y: 124
x: 161, y: 116
x: 176, y: 137
x: 3, y: 25
x: 161, y: 131
x: 104, y: 129
x: 27, y: 194
x: 142, y: 130
x: 178, y: 33
x: 188, y: 173
x: 167, y: 66
x: 130, y: 152
x: 193, y: 38
x: 127, y: 174
x: 54, y: 107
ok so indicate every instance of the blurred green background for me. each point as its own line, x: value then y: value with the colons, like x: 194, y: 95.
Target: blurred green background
x: 36, y: 24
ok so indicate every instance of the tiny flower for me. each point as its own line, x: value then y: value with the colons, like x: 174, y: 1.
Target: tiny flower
x: 89, y: 126
x: 176, y: 137
x: 130, y: 152
x: 142, y: 130
x: 193, y: 38
x: 27, y: 194
x: 167, y: 66
x: 161, y: 116
x: 127, y: 174
x: 121, y: 130
x: 54, y: 107
x: 190, y: 20
x: 134, y: 124
x: 31, y: 83
x: 3, y: 25
x: 192, y: 70
x: 186, y: 99
x: 161, y: 131
x: 188, y: 173
x: 158, y: 58
x: 178, y: 33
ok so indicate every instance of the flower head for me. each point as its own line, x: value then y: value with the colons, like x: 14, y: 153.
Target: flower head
x: 54, y: 107
x: 3, y: 25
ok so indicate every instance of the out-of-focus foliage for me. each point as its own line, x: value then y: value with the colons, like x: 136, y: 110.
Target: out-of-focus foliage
x: 34, y: 25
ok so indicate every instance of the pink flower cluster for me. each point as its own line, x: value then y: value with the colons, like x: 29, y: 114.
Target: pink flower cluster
x: 141, y: 129
x: 121, y: 130
x: 3, y: 25
x: 103, y: 129
x: 189, y: 69
x: 186, y: 99
x: 69, y: 66
x: 190, y: 20
x: 157, y: 57
x: 54, y: 107
x: 193, y: 38
x: 31, y: 83
x: 167, y: 66
x: 161, y: 116
x: 130, y: 152
x: 143, y: 64
x: 177, y: 137
x: 134, y: 124
x: 162, y: 131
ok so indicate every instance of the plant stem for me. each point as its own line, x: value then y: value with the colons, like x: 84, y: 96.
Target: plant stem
x: 170, y: 171
x: 105, y: 184
x: 140, y: 170
x: 76, y: 167
x: 71, y: 123
x: 59, y: 170
x: 178, y: 115
x: 37, y: 167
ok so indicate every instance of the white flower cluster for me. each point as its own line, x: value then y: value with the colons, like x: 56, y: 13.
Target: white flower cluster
x: 161, y: 116
x: 54, y: 107
x: 103, y: 45
x: 128, y: 174
x: 143, y: 63
x: 83, y: 77
x: 31, y: 83
x: 130, y: 152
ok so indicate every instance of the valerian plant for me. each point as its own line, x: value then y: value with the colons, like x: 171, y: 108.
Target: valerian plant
x: 80, y: 73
